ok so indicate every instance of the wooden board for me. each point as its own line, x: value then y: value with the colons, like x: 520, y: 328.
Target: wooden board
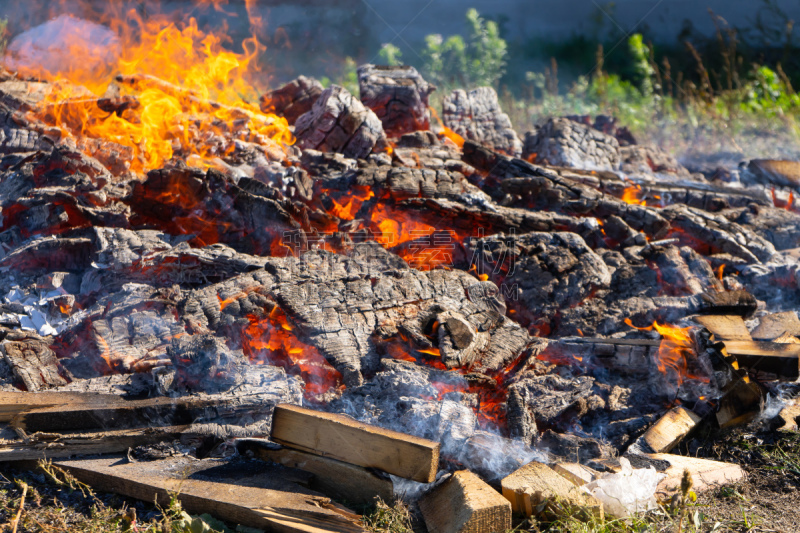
x: 240, y: 493
x: 783, y: 360
x: 536, y: 486
x: 465, y: 504
x: 343, y: 481
x: 725, y: 327
x: 12, y: 403
x: 344, y: 439
x: 50, y: 446
x: 578, y: 474
x: 670, y: 429
x: 123, y: 414
x: 706, y: 474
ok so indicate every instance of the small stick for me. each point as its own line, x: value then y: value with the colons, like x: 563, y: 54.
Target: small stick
x: 21, y: 505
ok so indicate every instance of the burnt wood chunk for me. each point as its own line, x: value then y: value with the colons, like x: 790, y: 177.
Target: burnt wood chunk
x: 739, y: 303
x: 669, y: 431
x: 725, y: 327
x: 563, y: 143
x: 778, y: 172
x: 32, y: 361
x: 740, y: 404
x: 242, y: 493
x: 398, y: 96
x: 638, y: 159
x: 344, y: 439
x: 783, y: 360
x: 476, y: 115
x: 339, y: 122
x: 293, y: 99
x: 343, y: 481
x: 776, y: 326
x: 13, y: 403
x: 536, y: 486
x: 465, y: 504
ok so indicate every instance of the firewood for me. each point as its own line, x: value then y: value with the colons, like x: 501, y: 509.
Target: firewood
x: 780, y: 359
x: 465, y: 504
x: 342, y: 438
x: 740, y: 404
x: 706, y: 474
x: 476, y: 115
x: 293, y: 99
x: 244, y: 494
x: 32, y: 361
x: 740, y: 303
x: 536, y: 489
x: 773, y: 172
x: 669, y: 431
x: 338, y: 122
x: 564, y: 143
x: 725, y: 327
x: 398, y: 95
x: 343, y: 481
x: 775, y: 326
x: 13, y: 403
x: 577, y: 473
x: 150, y: 412
x: 57, y: 445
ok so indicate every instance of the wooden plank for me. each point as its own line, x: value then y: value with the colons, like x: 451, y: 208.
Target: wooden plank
x: 13, y: 403
x: 706, y: 474
x: 670, y: 430
x: 465, y: 504
x: 537, y: 486
x: 576, y: 473
x: 783, y: 360
x: 51, y: 446
x: 242, y: 493
x: 125, y: 414
x: 725, y: 327
x: 777, y: 325
x: 344, y: 439
x: 740, y: 404
x: 343, y: 481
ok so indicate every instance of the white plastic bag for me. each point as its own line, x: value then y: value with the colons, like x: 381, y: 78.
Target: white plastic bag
x: 629, y: 491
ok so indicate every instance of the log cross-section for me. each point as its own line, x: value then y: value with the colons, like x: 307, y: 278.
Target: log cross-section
x: 342, y: 438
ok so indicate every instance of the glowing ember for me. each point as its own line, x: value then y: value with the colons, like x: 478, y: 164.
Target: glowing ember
x: 631, y: 195
x: 269, y: 340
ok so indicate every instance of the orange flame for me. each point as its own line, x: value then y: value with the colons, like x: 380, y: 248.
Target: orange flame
x: 676, y: 351
x: 447, y: 132
x: 186, y: 86
x: 631, y: 195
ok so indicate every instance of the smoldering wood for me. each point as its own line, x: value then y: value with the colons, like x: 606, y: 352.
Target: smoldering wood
x: 33, y: 362
x: 564, y: 143
x: 464, y: 503
x: 776, y: 325
x: 772, y: 172
x: 782, y: 360
x: 293, y: 99
x: 342, y: 438
x: 244, y: 493
x: 337, y: 479
x: 338, y: 122
x: 725, y: 327
x: 49, y: 445
x: 739, y: 303
x: 476, y: 115
x: 740, y: 404
x: 398, y: 95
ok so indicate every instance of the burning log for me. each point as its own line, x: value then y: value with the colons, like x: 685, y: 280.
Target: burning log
x: 336, y: 479
x: 342, y: 438
x: 398, y: 96
x: 725, y: 327
x: 338, y: 122
x: 669, y: 431
x: 245, y: 493
x: 773, y: 358
x: 465, y: 504
x: 536, y: 489
x: 293, y: 99
x: 564, y: 143
x: 476, y: 115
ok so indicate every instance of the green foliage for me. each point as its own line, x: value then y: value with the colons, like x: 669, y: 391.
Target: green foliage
x: 3, y: 35
x: 390, y: 55
x: 477, y: 61
x: 766, y: 93
x: 642, y: 63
